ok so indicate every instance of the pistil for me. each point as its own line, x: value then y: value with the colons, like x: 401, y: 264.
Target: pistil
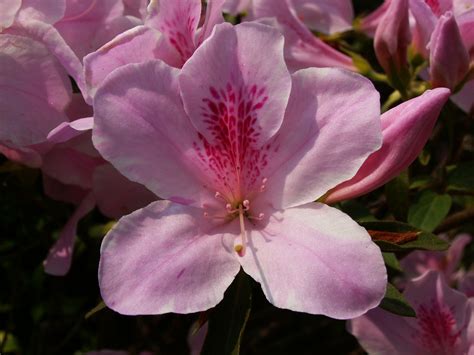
x: 240, y: 248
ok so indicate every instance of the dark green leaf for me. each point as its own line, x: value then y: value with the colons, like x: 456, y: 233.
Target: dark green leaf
x: 228, y: 319
x: 429, y: 211
x: 461, y: 177
x: 397, y: 193
x: 424, y: 240
x: 394, y: 302
x: 357, y: 211
x: 391, y: 261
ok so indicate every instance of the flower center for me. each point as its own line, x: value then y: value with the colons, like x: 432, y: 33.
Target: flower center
x: 236, y: 209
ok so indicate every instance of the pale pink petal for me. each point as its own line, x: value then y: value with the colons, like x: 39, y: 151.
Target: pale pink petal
x: 51, y: 39
x: 117, y: 196
x: 165, y: 258
x: 67, y: 130
x: 59, y: 258
x: 213, y: 17
x: 331, y: 125
x: 136, y: 45
x: 302, y: 48
x: 405, y: 129
x: 72, y: 162
x: 8, y: 10
x: 89, y: 24
x: 325, y: 16
x: 315, y: 259
x: 384, y: 333
x: 48, y: 11
x: 465, y: 98
x: 135, y: 8
x: 154, y: 142
x: 34, y: 90
x: 462, y: 6
x: 250, y: 82
x: 178, y: 21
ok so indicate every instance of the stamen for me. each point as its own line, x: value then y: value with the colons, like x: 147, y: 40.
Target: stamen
x: 219, y: 195
x: 258, y: 218
x: 246, y: 205
x: 240, y: 248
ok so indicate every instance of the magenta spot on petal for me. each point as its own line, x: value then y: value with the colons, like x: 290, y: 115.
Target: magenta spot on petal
x: 231, y: 117
x: 437, y: 327
x: 435, y: 6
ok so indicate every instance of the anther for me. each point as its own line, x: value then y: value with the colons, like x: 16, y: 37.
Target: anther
x: 246, y: 204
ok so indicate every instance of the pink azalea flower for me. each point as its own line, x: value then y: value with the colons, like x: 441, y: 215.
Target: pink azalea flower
x: 170, y: 33
x: 405, y: 129
x: 418, y: 262
x: 302, y: 48
x: 240, y: 149
x: 443, y: 325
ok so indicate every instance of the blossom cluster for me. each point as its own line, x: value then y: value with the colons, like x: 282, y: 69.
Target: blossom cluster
x: 223, y: 143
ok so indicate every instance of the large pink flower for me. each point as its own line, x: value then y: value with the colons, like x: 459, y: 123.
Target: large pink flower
x: 240, y: 149
x: 443, y: 326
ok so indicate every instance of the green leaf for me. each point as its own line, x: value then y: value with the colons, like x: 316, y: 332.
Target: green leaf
x: 228, y: 319
x: 461, y: 177
x: 395, y: 303
x: 429, y: 211
x: 391, y: 261
x: 423, y: 240
x: 358, y: 211
x: 397, y: 193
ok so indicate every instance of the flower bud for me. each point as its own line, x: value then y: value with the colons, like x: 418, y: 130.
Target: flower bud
x: 405, y: 130
x: 392, y: 38
x: 449, y: 59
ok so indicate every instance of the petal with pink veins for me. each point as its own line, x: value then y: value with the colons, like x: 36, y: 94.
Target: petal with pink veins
x: 154, y: 142
x: 315, y: 259
x: 332, y: 124
x: 165, y: 258
x: 178, y: 22
x: 59, y: 258
x: 251, y: 89
x: 441, y: 326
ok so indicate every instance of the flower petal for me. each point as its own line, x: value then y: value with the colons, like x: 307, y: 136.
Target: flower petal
x: 464, y: 98
x: 141, y: 128
x: 178, y: 21
x: 136, y: 45
x: 325, y: 16
x: 331, y: 125
x: 249, y: 84
x: 302, y: 48
x: 34, y: 90
x: 68, y: 130
x: 59, y: 258
x: 116, y: 195
x: 315, y: 259
x: 48, y: 11
x: 161, y: 259
x: 8, y: 10
x: 213, y: 17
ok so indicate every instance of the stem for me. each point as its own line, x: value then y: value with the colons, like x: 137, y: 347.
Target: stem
x: 455, y: 220
x: 393, y: 98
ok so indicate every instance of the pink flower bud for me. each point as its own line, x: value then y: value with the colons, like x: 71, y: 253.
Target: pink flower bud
x: 392, y: 38
x: 405, y: 129
x: 449, y: 59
